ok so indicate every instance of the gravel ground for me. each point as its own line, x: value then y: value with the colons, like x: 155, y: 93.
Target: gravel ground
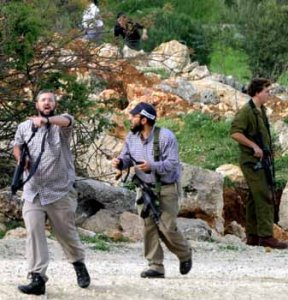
x: 220, y: 271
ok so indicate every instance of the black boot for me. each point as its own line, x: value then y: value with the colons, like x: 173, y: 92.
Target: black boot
x: 185, y: 266
x: 36, y: 287
x: 83, y: 277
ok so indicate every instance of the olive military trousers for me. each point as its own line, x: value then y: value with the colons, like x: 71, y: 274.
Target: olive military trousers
x: 61, y: 215
x: 166, y: 231
x: 260, y: 206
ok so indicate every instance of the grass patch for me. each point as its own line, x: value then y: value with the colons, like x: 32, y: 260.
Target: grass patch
x: 101, y: 242
x: 2, y: 234
x: 229, y: 183
x: 283, y: 79
x: 206, y: 143
x: 228, y: 61
x: 203, y: 141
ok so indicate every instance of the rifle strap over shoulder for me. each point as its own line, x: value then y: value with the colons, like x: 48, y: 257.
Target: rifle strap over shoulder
x: 36, y: 163
x: 156, y: 150
x: 265, y: 118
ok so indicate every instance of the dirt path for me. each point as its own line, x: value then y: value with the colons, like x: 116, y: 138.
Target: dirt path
x: 220, y: 272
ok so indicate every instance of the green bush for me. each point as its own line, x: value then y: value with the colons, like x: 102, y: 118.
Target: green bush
x: 169, y: 26
x: 283, y: 79
x: 206, y: 143
x: 228, y: 61
x: 203, y: 141
x: 2, y: 234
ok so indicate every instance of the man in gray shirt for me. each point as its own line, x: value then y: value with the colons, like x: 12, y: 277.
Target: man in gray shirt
x: 139, y: 148
x: 49, y: 192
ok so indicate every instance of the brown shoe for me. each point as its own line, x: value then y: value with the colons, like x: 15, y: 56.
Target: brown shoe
x: 272, y: 243
x: 252, y: 240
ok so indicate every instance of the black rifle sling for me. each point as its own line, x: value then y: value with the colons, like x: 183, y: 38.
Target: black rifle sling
x: 36, y: 163
x: 266, y: 122
x: 267, y: 125
x: 156, y: 149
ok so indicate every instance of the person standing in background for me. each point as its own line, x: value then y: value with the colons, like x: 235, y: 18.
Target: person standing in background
x: 251, y: 129
x: 92, y: 22
x: 130, y: 31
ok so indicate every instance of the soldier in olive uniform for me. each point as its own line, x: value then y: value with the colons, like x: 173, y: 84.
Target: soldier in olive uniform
x: 250, y: 129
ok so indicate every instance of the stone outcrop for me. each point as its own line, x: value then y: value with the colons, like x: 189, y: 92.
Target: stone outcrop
x: 173, y: 56
x: 234, y: 174
x: 194, y: 229
x: 94, y: 195
x: 202, y: 196
x: 283, y: 209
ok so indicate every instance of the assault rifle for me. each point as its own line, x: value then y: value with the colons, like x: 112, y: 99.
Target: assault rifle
x: 148, y: 200
x: 267, y: 162
x: 17, y: 181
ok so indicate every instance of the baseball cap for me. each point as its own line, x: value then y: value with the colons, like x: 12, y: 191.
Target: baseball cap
x: 144, y: 109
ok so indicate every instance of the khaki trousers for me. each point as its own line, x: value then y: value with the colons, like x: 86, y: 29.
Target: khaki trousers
x: 61, y: 215
x: 167, y: 231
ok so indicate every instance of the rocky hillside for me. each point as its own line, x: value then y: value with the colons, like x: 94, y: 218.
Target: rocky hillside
x: 167, y: 79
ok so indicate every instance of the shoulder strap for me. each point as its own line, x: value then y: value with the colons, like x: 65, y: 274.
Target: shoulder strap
x: 266, y: 122
x: 36, y: 163
x: 156, y: 149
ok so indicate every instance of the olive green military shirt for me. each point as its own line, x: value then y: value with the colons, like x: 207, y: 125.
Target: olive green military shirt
x: 245, y: 122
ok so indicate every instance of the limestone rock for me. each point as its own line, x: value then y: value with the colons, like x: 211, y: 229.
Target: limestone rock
x: 172, y: 55
x: 103, y: 221
x: 194, y: 229
x: 202, y: 195
x: 283, y: 209
x: 132, y: 226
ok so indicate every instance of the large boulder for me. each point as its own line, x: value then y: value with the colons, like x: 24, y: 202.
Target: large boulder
x: 180, y: 87
x: 173, y: 56
x: 94, y: 195
x: 281, y: 130
x: 194, y: 229
x: 202, y: 196
x: 234, y: 173
x: 283, y: 209
x: 132, y: 226
x: 221, y: 93
x: 104, y: 221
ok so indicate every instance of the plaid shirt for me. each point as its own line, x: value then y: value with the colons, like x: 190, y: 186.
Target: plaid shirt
x: 169, y: 165
x: 55, y: 174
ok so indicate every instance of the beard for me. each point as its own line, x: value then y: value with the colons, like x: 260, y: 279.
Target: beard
x: 137, y: 128
x: 50, y: 114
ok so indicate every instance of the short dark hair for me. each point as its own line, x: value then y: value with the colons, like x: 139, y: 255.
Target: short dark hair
x: 257, y: 85
x: 149, y: 121
x: 120, y: 14
x: 45, y: 92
